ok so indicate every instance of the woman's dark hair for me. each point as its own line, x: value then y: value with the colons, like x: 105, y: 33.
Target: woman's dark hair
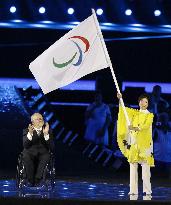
x: 144, y: 96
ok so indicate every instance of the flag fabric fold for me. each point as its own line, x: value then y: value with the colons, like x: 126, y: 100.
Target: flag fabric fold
x: 76, y: 54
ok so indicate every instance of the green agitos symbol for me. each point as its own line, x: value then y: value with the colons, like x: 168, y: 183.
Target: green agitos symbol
x: 80, y: 58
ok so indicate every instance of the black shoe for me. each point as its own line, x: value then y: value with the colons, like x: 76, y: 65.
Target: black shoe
x: 37, y: 182
x: 40, y: 184
x: 145, y: 194
x: 29, y: 184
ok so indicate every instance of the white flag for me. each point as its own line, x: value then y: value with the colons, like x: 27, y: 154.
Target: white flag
x: 76, y: 54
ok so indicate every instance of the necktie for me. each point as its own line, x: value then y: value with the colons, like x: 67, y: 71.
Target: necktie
x: 38, y: 132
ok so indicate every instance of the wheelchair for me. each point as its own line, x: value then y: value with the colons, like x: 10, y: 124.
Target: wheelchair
x: 48, y: 179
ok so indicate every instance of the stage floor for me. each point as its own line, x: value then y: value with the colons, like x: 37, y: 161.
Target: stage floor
x: 70, y: 189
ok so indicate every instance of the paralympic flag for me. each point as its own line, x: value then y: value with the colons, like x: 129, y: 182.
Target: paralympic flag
x: 79, y: 52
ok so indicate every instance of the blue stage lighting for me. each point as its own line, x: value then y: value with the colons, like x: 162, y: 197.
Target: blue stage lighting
x: 42, y: 10
x: 128, y: 12
x: 70, y: 11
x: 13, y: 9
x: 17, y: 21
x: 99, y: 11
x: 157, y: 13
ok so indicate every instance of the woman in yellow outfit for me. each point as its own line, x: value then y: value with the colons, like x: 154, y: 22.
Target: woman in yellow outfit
x: 136, y: 144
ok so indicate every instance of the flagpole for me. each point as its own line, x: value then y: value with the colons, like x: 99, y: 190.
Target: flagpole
x: 109, y: 63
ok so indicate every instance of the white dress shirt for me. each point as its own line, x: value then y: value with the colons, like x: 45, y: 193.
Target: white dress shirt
x: 29, y: 136
x: 144, y: 111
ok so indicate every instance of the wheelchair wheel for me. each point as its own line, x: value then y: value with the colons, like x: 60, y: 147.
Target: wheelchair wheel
x: 20, y: 173
x: 18, y: 178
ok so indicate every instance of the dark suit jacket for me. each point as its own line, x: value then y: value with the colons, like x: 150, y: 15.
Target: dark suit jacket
x: 38, y: 143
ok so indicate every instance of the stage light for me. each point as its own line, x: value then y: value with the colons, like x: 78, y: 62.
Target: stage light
x: 70, y: 11
x: 42, y: 10
x: 13, y: 9
x: 157, y: 13
x: 17, y: 21
x: 108, y: 24
x: 99, y: 11
x: 47, y: 22
x: 128, y: 12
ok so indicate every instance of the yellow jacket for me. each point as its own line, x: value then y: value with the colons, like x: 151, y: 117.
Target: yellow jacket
x: 141, y: 144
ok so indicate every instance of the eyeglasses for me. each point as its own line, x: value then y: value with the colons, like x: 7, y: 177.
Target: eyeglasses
x: 40, y: 119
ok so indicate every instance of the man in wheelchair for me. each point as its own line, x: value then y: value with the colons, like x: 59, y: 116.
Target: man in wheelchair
x: 38, y: 144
